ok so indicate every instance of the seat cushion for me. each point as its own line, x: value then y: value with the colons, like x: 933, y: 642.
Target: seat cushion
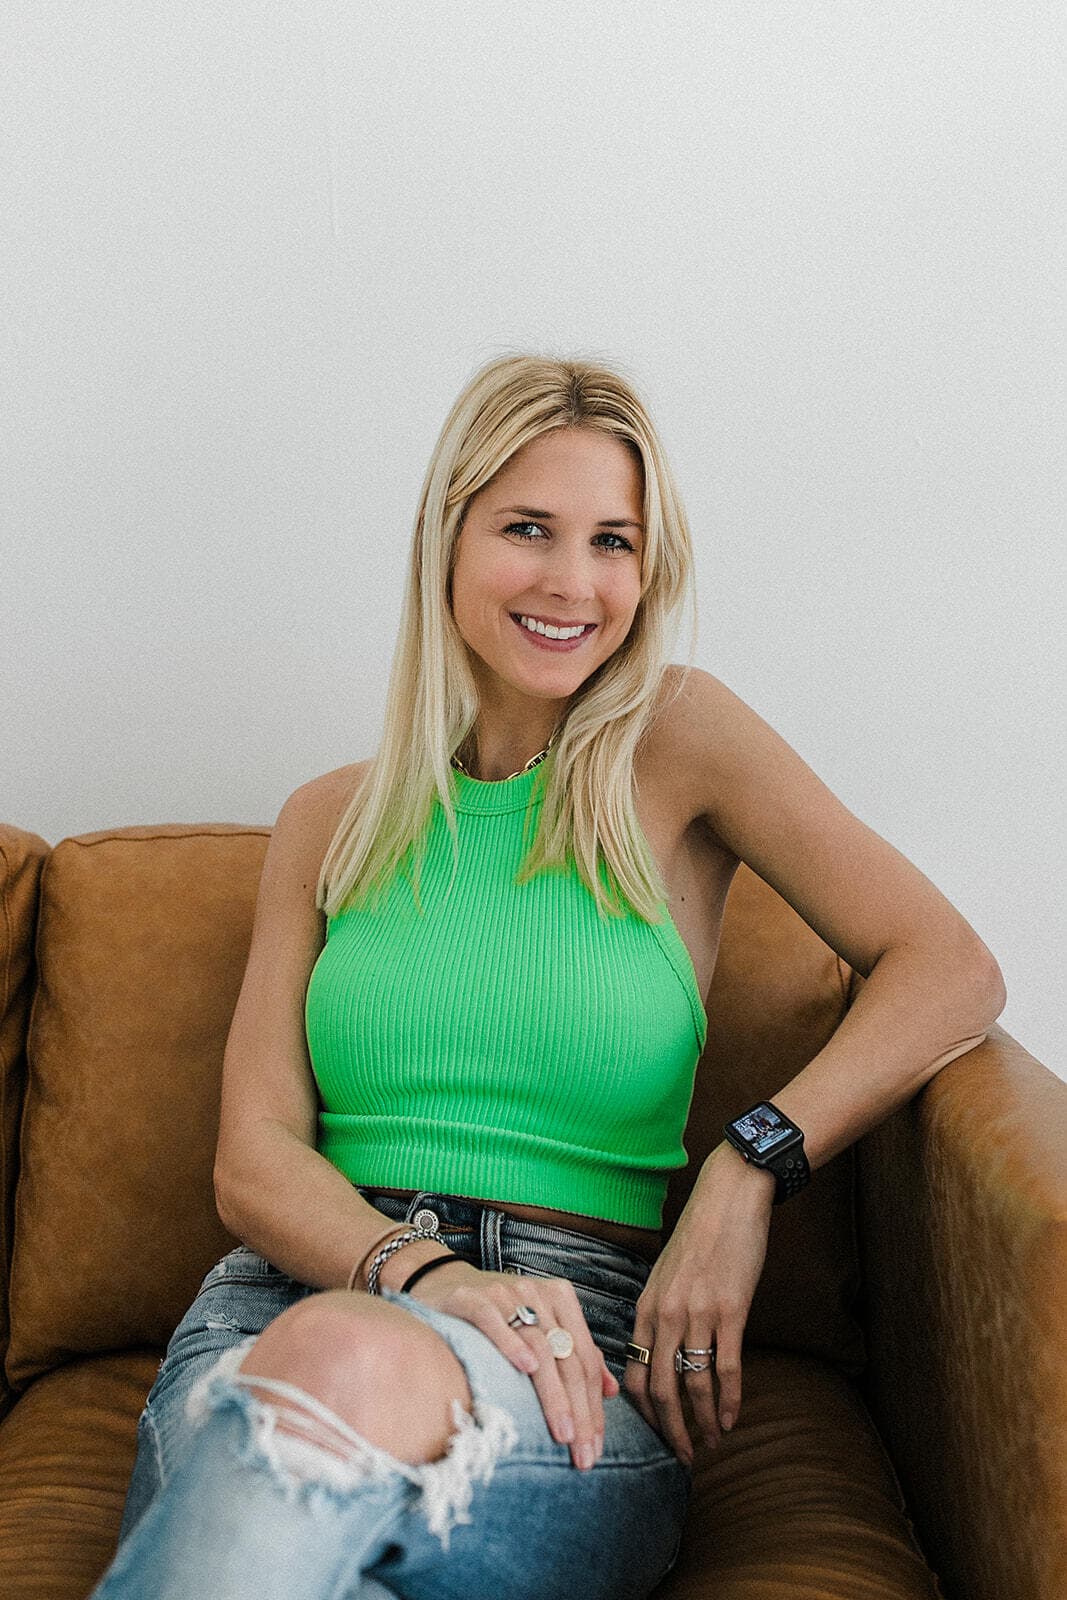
x: 66, y: 1453
x: 800, y: 1501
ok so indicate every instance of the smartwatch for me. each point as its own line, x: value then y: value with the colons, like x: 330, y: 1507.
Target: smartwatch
x: 766, y: 1137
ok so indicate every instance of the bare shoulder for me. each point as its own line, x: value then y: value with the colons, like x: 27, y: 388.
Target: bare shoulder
x: 310, y: 816
x: 332, y: 790
x: 766, y: 805
x: 696, y: 716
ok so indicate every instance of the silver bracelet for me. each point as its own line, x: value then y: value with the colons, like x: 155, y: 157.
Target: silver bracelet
x: 426, y: 1227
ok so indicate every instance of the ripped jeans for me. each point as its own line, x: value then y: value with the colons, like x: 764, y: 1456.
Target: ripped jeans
x: 222, y: 1503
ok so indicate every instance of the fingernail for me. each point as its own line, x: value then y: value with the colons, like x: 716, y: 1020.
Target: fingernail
x: 566, y: 1429
x: 584, y: 1454
x: 727, y: 1420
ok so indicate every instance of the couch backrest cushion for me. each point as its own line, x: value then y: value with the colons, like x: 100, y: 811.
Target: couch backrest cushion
x: 143, y: 939
x: 777, y: 995
x: 22, y: 856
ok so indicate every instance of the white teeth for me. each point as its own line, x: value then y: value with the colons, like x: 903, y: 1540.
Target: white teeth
x: 549, y: 631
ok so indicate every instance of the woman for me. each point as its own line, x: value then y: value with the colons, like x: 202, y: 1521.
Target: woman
x: 464, y: 1051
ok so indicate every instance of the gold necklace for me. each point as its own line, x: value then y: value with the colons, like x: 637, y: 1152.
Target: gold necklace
x: 534, y: 761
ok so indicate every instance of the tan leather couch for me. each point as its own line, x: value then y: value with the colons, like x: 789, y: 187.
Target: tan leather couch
x: 905, y: 1373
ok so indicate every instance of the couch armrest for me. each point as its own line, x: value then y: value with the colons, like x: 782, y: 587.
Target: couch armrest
x: 962, y: 1211
x: 22, y: 858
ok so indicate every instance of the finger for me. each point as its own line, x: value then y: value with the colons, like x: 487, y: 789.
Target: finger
x: 636, y: 1377
x: 561, y: 1403
x: 664, y: 1386
x: 699, y: 1386
x: 728, y: 1371
x: 580, y: 1373
x: 494, y: 1322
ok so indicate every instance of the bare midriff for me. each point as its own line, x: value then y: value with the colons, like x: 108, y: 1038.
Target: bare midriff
x: 645, y: 1242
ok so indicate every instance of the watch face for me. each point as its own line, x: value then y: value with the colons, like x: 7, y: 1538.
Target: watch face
x: 763, y: 1129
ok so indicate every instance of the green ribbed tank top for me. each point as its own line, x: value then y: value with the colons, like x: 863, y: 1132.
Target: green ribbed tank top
x: 508, y: 1043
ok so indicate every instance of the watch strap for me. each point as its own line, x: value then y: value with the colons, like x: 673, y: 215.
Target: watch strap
x: 791, y: 1173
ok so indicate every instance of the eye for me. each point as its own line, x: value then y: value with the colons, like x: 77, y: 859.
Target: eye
x: 620, y: 546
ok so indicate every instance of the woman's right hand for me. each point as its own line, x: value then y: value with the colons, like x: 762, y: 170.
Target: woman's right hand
x: 571, y: 1388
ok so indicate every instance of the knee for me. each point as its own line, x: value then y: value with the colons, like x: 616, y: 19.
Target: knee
x: 383, y: 1371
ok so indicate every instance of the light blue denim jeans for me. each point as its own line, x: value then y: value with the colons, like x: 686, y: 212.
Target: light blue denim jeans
x: 222, y: 1503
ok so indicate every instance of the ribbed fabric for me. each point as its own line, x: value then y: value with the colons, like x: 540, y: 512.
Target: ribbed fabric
x: 508, y: 1044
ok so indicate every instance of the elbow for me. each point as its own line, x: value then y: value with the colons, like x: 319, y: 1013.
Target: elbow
x: 222, y: 1197
x: 985, y: 1003
x: 993, y: 989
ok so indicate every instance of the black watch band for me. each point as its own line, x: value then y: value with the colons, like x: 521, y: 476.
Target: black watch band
x: 791, y: 1173
x: 767, y: 1138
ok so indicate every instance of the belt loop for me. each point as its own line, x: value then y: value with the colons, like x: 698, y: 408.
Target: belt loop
x: 416, y: 1203
x: 489, y: 1238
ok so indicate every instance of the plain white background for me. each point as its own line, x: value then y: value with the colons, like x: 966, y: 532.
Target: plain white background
x: 252, y: 252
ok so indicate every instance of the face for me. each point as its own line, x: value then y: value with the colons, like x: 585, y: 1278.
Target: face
x: 535, y: 545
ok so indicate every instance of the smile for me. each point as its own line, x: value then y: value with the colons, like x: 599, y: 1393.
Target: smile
x: 544, y: 636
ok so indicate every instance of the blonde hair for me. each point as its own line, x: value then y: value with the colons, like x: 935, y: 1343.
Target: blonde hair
x: 587, y: 784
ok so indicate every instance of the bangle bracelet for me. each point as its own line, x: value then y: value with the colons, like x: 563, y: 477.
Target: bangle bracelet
x: 427, y: 1266
x: 426, y: 1227
x: 354, y: 1274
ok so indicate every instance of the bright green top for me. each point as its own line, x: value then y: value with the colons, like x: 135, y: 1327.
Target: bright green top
x: 509, y: 1043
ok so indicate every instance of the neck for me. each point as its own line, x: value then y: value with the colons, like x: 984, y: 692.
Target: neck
x: 492, y: 762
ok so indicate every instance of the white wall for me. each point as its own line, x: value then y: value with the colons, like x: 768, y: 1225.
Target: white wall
x: 252, y: 252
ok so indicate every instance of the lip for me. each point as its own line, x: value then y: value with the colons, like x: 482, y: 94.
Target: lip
x: 560, y: 646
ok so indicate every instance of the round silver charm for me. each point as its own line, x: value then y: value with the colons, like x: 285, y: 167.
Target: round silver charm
x: 559, y: 1342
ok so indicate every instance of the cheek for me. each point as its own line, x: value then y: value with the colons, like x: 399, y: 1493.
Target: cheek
x: 625, y: 597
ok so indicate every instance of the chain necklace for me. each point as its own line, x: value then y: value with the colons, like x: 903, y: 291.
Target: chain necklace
x: 534, y: 761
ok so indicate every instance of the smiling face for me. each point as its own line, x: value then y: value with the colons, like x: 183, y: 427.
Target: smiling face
x: 536, y: 544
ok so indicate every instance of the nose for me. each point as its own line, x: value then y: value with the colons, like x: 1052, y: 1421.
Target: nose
x: 568, y: 574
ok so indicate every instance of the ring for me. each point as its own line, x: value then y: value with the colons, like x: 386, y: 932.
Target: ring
x: 682, y: 1362
x: 637, y: 1352
x: 559, y: 1342
x: 523, y: 1315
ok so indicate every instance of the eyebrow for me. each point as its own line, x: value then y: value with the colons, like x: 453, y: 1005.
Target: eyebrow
x: 550, y: 516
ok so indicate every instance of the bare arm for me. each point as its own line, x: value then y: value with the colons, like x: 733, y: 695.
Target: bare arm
x: 932, y: 990
x: 273, y: 1190
x: 933, y: 987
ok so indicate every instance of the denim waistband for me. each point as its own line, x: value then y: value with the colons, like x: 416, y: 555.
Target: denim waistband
x: 491, y: 1230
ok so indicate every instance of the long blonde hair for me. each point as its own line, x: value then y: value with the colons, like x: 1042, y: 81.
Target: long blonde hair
x: 587, y: 785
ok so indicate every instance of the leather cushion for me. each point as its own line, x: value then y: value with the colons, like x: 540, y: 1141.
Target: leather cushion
x: 777, y: 995
x: 22, y: 857
x: 144, y: 935
x: 66, y: 1454
x: 800, y: 1502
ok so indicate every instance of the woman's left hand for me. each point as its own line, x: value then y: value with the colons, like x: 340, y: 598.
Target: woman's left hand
x: 698, y: 1294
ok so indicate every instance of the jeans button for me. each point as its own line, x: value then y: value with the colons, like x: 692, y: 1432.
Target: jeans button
x: 427, y: 1221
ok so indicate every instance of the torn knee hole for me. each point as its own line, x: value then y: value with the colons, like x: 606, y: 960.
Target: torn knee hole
x: 313, y: 1453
